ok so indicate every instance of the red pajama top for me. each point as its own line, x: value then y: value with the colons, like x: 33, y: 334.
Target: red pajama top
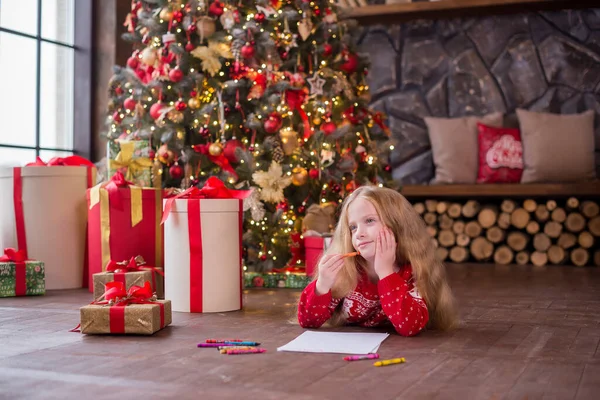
x: 394, y: 298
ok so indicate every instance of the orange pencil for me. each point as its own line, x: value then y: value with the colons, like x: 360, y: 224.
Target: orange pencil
x: 353, y: 254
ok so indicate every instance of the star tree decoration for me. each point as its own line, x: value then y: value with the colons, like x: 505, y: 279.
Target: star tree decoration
x: 316, y: 85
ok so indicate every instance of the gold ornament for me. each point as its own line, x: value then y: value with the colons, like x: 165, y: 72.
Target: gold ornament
x: 317, y: 121
x: 194, y: 103
x: 206, y: 27
x: 166, y: 14
x: 175, y: 116
x: 180, y: 134
x: 299, y: 176
x: 215, y: 149
x: 289, y: 141
x: 149, y: 56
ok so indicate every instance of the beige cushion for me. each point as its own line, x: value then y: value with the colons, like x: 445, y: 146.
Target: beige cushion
x: 454, y: 146
x: 557, y: 147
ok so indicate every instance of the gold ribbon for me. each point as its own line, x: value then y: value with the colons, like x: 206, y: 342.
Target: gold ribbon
x: 98, y: 193
x: 125, y: 160
x: 104, y: 225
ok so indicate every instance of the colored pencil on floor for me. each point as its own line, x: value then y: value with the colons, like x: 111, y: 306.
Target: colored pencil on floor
x: 249, y: 351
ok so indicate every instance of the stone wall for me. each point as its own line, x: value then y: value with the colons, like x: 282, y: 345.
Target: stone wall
x: 547, y: 61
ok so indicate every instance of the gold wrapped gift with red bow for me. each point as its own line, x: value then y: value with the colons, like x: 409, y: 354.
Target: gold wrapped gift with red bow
x: 121, y: 311
x: 132, y: 272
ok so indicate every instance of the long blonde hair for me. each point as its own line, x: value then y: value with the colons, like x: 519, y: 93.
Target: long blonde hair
x: 414, y: 246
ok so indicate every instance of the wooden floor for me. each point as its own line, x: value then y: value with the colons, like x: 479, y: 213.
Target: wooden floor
x: 528, y: 334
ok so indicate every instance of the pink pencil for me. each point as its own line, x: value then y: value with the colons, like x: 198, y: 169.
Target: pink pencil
x: 356, y: 358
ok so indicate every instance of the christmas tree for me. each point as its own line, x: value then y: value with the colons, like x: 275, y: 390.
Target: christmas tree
x: 266, y: 95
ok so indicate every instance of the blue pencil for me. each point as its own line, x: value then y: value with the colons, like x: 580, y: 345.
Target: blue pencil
x: 242, y: 343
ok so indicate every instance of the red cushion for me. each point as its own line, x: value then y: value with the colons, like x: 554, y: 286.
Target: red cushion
x: 500, y: 155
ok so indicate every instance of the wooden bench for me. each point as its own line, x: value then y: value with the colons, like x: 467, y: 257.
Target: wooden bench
x: 557, y: 223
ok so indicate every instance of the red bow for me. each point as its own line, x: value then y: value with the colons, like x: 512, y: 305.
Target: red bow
x: 73, y: 161
x: 18, y: 257
x: 13, y: 255
x: 123, y: 266
x: 112, y: 187
x: 115, y: 291
x: 133, y: 265
x: 213, y: 189
x: 295, y: 99
x: 219, y: 160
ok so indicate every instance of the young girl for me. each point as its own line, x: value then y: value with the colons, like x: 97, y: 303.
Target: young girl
x: 395, y: 276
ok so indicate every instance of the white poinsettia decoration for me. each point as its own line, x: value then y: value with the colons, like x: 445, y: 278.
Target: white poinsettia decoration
x: 272, y: 183
x: 253, y: 203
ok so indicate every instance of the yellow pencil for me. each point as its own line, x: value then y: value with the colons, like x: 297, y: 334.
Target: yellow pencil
x: 383, y: 363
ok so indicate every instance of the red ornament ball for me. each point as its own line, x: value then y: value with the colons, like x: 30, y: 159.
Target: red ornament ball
x: 117, y: 117
x: 313, y: 173
x: 272, y: 125
x: 129, y: 103
x: 178, y: 16
x: 175, y: 75
x: 283, y: 206
x: 301, y: 209
x: 247, y: 51
x: 259, y: 17
x: 118, y: 90
x: 327, y: 49
x: 176, y: 171
x: 216, y: 9
x: 349, y: 66
x: 180, y: 105
x: 189, y: 47
x: 328, y: 128
x: 133, y: 62
x: 204, y: 132
x: 156, y: 110
x: 263, y: 257
x: 229, y: 150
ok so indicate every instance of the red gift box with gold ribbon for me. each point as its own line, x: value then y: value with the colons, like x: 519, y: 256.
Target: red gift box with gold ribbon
x: 123, y: 222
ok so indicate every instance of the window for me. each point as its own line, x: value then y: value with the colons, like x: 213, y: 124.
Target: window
x: 37, y: 79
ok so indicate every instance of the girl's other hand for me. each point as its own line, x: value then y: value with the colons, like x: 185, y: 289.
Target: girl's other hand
x: 329, y: 267
x: 385, y: 253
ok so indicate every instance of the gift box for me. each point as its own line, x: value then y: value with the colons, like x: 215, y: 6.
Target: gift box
x: 133, y: 159
x: 314, y: 247
x: 20, y: 277
x: 121, y: 311
x: 43, y: 213
x: 203, y: 248
x: 290, y: 280
x: 123, y: 222
x: 131, y: 272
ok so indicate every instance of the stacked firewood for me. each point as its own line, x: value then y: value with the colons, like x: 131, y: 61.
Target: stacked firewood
x: 515, y: 232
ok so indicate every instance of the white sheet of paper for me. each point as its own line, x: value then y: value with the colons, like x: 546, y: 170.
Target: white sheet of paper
x: 336, y: 342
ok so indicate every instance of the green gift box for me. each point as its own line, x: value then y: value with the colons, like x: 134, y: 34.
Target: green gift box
x: 290, y: 280
x: 132, y: 158
x: 34, y: 284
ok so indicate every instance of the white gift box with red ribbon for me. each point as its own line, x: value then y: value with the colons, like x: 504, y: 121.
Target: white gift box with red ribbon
x: 203, y: 254
x: 43, y: 212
